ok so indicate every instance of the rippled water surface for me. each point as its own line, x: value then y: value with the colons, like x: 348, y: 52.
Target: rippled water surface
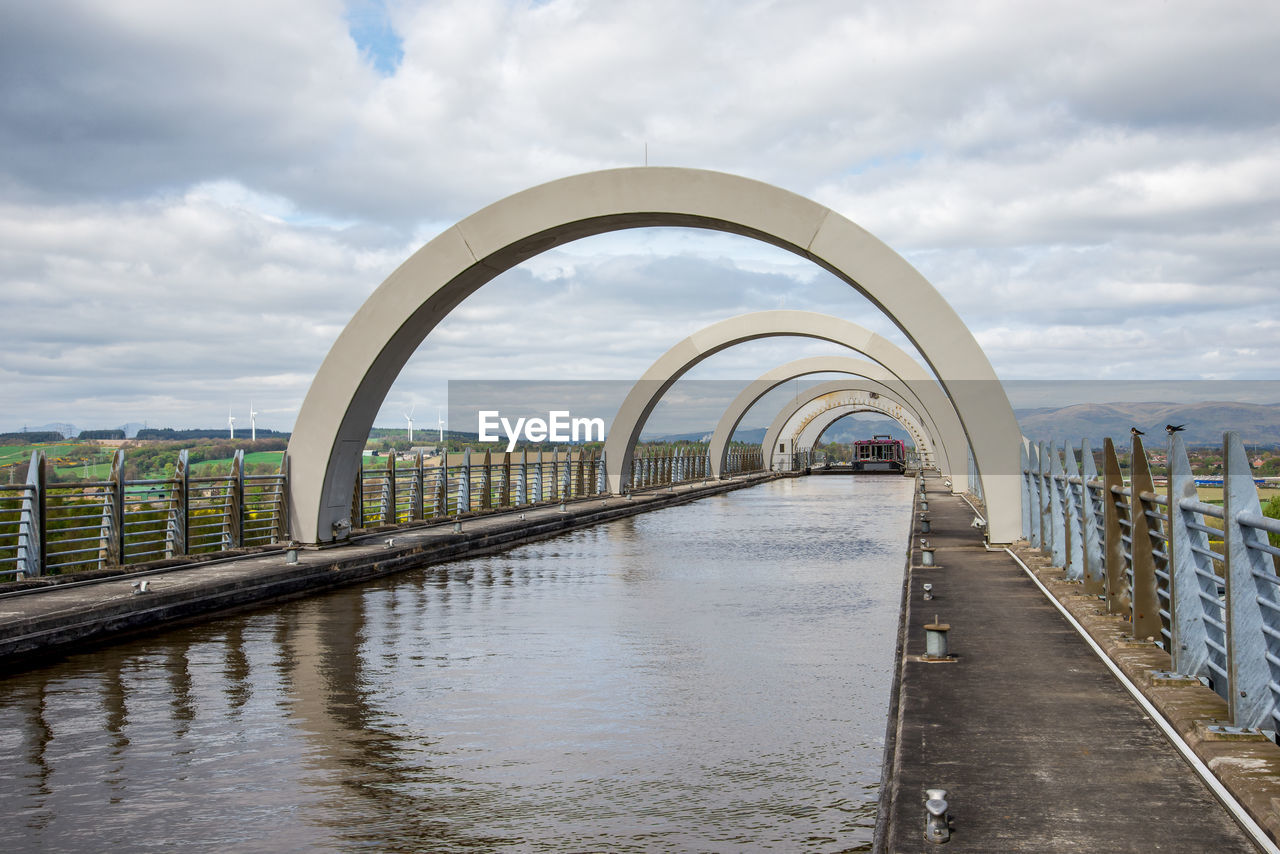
x: 712, y: 677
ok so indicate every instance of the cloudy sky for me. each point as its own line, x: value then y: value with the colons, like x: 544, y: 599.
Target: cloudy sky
x: 196, y: 196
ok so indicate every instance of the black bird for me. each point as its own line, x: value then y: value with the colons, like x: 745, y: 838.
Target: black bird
x: 1135, y: 431
x: 1174, y: 428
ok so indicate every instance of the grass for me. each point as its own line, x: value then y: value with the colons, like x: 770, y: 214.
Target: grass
x: 97, y: 471
x: 13, y: 454
x: 272, y: 458
x: 1213, y: 494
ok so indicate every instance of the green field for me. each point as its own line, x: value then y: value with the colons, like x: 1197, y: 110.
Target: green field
x: 271, y: 458
x: 100, y: 460
x: 96, y: 471
x: 14, y: 454
x: 1213, y: 494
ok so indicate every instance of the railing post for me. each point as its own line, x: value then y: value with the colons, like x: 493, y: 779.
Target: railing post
x: 1057, y: 509
x: 442, y: 486
x: 1193, y: 582
x: 1147, y: 622
x: 32, y: 539
x: 1025, y: 464
x: 1116, y: 561
x: 418, y: 498
x: 111, y: 530
x: 1046, y: 499
x: 389, y: 516
x: 1250, y: 587
x: 537, y: 479
x: 1033, y: 479
x: 179, y: 510
x: 1095, y: 572
x: 1074, y: 494
x: 233, y: 506
x: 553, y: 476
x: 506, y: 479
x: 357, y: 497
x: 486, y: 482
x: 464, y: 483
x: 522, y: 478
x: 282, y: 502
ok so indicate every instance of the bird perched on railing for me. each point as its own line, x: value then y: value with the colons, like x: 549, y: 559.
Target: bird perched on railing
x: 1135, y: 431
x: 1174, y: 428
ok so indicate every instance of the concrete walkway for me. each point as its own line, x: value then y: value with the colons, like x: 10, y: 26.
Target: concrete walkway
x: 1039, y: 746
x: 45, y: 623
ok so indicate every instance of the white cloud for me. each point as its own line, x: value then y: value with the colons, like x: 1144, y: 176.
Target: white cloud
x: 194, y: 198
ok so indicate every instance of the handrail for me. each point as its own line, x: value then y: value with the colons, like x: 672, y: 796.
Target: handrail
x: 1212, y: 590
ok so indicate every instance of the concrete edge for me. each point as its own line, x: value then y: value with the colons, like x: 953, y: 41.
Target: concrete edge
x: 889, y: 763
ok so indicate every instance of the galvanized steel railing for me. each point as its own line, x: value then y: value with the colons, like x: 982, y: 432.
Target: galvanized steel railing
x: 1198, y: 579
x: 51, y: 528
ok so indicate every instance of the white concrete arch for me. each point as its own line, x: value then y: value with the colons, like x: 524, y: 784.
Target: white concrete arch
x: 344, y: 397
x: 829, y: 395
x: 733, y: 415
x: 671, y: 365
x: 811, y: 431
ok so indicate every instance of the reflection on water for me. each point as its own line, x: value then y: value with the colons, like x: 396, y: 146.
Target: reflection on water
x: 709, y: 677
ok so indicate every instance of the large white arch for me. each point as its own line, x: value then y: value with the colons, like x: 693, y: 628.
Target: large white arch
x: 733, y: 415
x: 333, y: 424
x: 844, y: 392
x: 671, y: 365
x: 811, y: 430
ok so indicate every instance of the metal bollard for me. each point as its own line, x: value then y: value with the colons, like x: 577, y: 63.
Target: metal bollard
x: 928, y: 591
x: 291, y: 555
x: 937, y: 827
x: 924, y: 524
x: 935, y: 643
x: 924, y: 504
x: 457, y: 526
x: 926, y: 556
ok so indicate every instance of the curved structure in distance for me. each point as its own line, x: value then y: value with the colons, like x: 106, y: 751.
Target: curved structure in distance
x: 770, y: 380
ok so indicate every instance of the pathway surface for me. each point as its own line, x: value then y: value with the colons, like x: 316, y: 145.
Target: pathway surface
x: 1039, y: 747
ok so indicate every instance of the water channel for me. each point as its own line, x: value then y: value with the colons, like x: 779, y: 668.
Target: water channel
x: 711, y: 677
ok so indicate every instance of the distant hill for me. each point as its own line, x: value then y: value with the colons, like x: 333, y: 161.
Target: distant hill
x: 1257, y: 424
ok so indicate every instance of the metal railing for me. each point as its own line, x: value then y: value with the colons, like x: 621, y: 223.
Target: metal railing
x: 1200, y: 580
x: 54, y: 528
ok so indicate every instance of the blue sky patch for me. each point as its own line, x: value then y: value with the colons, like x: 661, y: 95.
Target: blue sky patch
x: 371, y: 30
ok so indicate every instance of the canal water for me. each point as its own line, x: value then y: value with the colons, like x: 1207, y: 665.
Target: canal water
x: 711, y: 677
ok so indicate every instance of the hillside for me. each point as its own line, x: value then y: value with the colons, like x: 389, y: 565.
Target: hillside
x: 1257, y: 424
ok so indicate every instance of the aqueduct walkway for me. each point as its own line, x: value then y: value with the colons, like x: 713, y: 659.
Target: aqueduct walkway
x: 1037, y: 744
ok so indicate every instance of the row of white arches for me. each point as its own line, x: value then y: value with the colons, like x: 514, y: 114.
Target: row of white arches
x: 961, y: 408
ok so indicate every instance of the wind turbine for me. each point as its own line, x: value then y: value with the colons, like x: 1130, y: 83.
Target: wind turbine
x: 231, y: 423
x: 253, y: 423
x: 440, y: 424
x: 408, y: 416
